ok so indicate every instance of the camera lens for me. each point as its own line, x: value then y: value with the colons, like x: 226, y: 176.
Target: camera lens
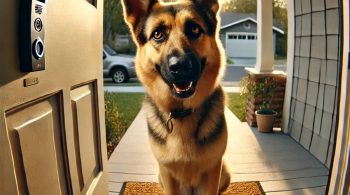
x: 38, y: 48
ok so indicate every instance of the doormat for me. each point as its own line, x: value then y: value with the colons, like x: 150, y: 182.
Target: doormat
x: 148, y: 188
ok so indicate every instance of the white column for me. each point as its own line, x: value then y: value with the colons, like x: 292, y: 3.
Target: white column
x: 265, y: 55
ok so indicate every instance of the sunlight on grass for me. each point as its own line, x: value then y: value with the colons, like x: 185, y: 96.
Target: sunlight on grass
x: 237, y: 104
x: 128, y: 105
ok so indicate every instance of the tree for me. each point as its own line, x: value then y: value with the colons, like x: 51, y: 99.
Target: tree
x: 113, y: 19
x: 250, y: 6
x: 239, y: 6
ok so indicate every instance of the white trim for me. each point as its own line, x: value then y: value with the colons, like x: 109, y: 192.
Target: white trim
x: 290, y: 67
x: 237, y: 22
x: 251, y: 19
x: 340, y: 165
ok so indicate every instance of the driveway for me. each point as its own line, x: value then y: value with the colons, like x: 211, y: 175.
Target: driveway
x: 233, y: 74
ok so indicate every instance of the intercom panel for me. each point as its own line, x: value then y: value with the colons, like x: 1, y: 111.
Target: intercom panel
x: 32, y: 35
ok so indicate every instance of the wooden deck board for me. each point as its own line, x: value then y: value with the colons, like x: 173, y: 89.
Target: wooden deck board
x: 276, y: 160
x: 115, y: 186
x: 307, y: 191
x: 275, y: 176
x: 294, y: 184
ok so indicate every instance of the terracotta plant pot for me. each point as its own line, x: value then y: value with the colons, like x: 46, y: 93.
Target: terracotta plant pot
x: 265, y: 121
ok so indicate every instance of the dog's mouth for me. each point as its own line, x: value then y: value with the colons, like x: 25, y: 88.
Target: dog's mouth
x: 183, y: 89
x: 182, y: 84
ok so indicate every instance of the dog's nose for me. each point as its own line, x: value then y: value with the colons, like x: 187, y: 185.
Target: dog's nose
x: 178, y: 66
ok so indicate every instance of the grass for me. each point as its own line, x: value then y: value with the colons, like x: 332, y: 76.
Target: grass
x: 237, y: 104
x: 229, y: 61
x: 121, y: 110
x: 128, y: 104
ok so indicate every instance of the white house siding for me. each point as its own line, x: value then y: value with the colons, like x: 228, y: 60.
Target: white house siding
x: 316, y: 78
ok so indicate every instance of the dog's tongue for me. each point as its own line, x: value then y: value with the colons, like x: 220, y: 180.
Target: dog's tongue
x: 182, y: 86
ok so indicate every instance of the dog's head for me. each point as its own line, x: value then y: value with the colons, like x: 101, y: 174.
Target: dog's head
x: 177, y: 46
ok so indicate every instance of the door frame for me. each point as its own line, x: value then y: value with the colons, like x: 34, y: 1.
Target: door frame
x: 339, y: 181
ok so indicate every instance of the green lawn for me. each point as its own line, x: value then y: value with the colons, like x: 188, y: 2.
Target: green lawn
x: 237, y: 104
x: 122, y: 108
x: 128, y: 105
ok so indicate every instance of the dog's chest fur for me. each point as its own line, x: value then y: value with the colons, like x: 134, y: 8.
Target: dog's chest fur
x: 195, y: 141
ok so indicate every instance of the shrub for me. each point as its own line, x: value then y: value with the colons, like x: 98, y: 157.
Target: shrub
x: 114, y: 127
x: 262, y: 88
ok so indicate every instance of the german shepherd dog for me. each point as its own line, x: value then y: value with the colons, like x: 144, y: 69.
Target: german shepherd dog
x: 180, y: 63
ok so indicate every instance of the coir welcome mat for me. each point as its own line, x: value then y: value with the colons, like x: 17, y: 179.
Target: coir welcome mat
x: 147, y: 188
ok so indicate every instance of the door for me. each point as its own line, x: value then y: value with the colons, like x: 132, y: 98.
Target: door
x: 241, y: 45
x: 52, y: 134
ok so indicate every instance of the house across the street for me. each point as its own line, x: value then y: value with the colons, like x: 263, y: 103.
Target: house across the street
x: 239, y: 34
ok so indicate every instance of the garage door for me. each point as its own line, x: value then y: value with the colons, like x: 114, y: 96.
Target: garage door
x: 241, y: 45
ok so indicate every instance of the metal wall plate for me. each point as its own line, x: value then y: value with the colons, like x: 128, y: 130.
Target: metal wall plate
x: 32, y: 35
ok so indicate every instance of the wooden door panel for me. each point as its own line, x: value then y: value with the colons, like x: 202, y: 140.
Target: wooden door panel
x: 37, y: 146
x: 52, y: 132
x: 86, y: 134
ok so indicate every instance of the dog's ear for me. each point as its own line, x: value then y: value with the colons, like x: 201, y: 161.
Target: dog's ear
x: 134, y: 10
x: 213, y: 5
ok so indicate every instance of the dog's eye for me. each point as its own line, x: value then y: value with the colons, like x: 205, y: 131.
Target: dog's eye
x: 158, y: 35
x: 193, y: 30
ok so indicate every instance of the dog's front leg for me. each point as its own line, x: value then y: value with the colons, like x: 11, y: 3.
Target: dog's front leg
x: 170, y: 185
x: 213, y: 179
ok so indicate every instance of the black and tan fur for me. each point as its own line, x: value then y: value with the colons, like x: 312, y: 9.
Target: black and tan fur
x: 179, y: 61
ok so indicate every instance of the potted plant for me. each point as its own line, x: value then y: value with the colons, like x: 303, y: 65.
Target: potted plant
x: 262, y: 90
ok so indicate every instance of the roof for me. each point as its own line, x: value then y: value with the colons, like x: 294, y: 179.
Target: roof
x: 231, y: 19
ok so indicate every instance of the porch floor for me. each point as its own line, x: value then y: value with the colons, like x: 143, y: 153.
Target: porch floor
x: 280, y: 164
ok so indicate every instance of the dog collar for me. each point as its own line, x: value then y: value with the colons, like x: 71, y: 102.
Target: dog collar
x: 176, y: 114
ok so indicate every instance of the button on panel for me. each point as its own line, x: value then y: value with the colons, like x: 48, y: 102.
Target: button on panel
x: 38, y: 24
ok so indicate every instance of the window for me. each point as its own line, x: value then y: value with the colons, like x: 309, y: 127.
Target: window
x: 232, y: 36
x: 242, y: 37
x: 251, y: 37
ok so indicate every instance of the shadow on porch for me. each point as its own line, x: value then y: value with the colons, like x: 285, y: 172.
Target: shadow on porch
x: 280, y: 164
